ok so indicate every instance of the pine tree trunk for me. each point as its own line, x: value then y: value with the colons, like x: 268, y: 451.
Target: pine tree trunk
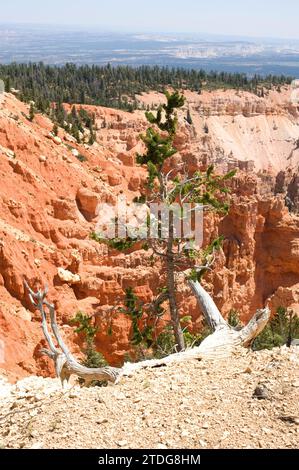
x: 170, y: 268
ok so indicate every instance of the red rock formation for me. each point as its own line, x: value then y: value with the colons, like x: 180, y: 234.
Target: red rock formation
x: 48, y: 201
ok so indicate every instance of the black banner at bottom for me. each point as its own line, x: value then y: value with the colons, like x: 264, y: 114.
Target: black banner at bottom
x: 132, y: 459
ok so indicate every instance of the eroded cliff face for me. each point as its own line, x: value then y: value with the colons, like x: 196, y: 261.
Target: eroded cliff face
x: 48, y: 202
x: 243, y: 129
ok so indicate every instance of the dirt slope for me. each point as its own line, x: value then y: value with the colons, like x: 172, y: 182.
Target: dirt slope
x: 193, y: 405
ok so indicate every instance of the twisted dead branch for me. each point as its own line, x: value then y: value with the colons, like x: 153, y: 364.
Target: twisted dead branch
x: 65, y: 364
x: 221, y: 343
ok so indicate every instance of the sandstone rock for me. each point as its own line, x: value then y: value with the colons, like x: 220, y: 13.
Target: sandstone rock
x: 261, y: 392
x: 126, y: 159
x: 134, y: 183
x: 24, y: 314
x: 73, y: 394
x: 103, y: 421
x: 68, y: 277
x: 114, y: 180
x: 160, y: 446
x: 66, y: 209
x: 57, y: 140
x: 75, y: 152
x: 122, y: 443
x: 87, y: 202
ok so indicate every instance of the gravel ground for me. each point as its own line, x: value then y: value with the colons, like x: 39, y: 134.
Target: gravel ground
x: 248, y: 401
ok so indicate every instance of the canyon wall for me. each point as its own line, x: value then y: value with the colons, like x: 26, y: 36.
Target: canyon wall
x: 49, y: 199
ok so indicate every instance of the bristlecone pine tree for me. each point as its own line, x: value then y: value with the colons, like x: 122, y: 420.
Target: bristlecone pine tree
x: 178, y: 187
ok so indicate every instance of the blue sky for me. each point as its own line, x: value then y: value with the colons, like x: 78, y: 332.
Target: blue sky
x: 263, y: 18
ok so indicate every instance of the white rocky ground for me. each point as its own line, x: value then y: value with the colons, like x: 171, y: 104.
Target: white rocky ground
x: 191, y: 405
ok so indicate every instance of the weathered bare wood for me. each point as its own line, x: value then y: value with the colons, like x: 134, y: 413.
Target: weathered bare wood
x: 209, y: 309
x: 255, y: 327
x: 65, y: 364
x: 222, y: 343
x: 225, y: 338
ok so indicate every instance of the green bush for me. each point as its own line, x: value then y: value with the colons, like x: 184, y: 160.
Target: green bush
x: 165, y: 342
x: 280, y: 331
x: 81, y: 158
x: 143, y: 339
x: 118, y: 244
x: 93, y: 359
x: 233, y: 319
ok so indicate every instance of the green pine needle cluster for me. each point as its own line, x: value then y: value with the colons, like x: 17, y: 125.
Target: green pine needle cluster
x: 85, y: 327
x: 119, y: 244
x: 133, y: 308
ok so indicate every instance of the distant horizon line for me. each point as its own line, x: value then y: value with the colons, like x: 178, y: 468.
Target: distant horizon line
x: 118, y: 30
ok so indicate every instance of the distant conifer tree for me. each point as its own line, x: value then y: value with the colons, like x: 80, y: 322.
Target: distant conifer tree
x: 7, y: 84
x: 189, y: 117
x: 92, y: 137
x: 31, y: 112
x: 55, y: 129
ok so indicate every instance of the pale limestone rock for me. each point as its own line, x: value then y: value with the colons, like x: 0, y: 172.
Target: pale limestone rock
x: 68, y: 277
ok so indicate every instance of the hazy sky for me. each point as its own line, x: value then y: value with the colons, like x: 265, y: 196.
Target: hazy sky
x: 269, y: 18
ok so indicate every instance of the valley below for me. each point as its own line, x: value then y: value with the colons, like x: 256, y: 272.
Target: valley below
x: 58, y: 45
